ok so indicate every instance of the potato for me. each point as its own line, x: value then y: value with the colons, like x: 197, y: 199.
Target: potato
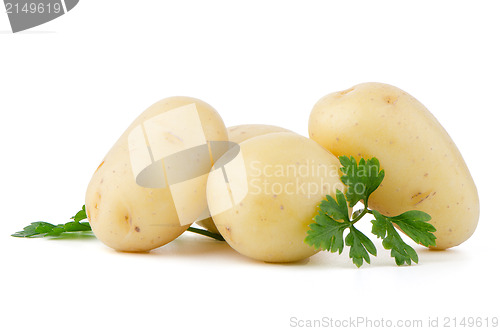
x: 275, y: 186
x: 424, y: 169
x: 238, y: 134
x: 131, y: 217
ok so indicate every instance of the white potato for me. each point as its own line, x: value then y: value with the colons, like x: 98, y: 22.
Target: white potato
x: 424, y: 169
x: 284, y: 177
x: 238, y: 134
x: 130, y: 217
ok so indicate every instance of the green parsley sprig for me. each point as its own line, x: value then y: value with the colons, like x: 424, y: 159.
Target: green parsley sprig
x: 45, y: 229
x: 332, y: 220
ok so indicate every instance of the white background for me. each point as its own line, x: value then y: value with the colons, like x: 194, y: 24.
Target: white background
x: 70, y: 87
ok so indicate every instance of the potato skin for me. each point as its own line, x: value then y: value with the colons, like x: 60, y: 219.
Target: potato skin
x: 424, y: 169
x: 271, y: 224
x: 238, y: 134
x: 126, y: 216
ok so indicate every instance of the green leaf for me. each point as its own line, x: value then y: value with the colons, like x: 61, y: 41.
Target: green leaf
x: 361, y: 179
x: 379, y: 226
x: 414, y: 224
x: 327, y: 230
x: 332, y: 219
x: 81, y: 215
x: 383, y: 228
x: 75, y: 226
x: 337, y: 210
x: 44, y: 227
x: 402, y: 252
x: 34, y: 229
x: 56, y: 231
x: 39, y: 229
x: 326, y: 234
x: 360, y: 245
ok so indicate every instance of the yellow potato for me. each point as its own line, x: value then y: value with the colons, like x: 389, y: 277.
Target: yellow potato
x: 424, y: 169
x: 238, y: 134
x: 275, y: 189
x: 130, y: 217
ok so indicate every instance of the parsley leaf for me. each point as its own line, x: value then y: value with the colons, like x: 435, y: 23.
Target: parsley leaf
x: 332, y: 219
x: 327, y: 231
x: 81, y: 215
x: 34, y: 229
x: 402, y: 252
x: 361, y: 245
x: 337, y: 210
x: 414, y: 224
x: 361, y: 179
x: 45, y: 229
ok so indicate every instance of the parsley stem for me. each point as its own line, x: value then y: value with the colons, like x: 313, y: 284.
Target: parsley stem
x: 207, y: 233
x: 360, y: 216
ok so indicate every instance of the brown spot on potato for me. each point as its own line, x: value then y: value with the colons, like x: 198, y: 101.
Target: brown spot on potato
x: 391, y: 99
x: 97, y: 200
x: 421, y: 197
x: 137, y: 229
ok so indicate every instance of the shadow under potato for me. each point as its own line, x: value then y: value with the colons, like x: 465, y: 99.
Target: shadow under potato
x: 74, y: 236
x: 192, y: 245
